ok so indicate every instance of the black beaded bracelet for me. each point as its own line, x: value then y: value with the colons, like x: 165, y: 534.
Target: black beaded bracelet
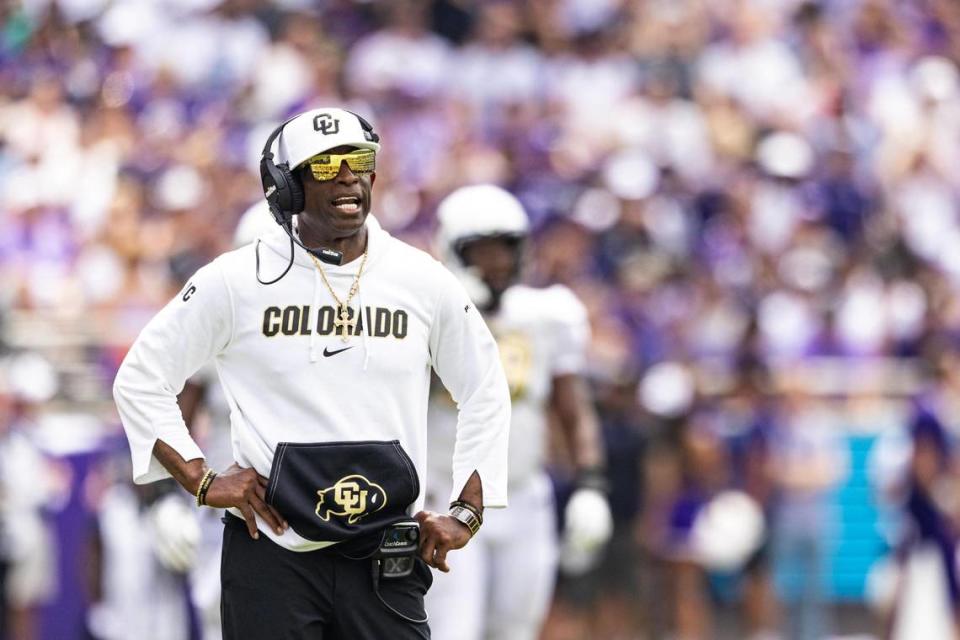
x: 205, y: 483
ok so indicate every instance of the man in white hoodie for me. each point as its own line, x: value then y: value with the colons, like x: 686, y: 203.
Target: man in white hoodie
x: 326, y: 368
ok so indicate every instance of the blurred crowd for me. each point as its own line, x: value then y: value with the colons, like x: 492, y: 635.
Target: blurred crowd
x: 757, y: 200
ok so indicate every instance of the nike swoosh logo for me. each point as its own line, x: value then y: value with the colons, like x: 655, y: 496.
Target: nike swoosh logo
x: 327, y: 353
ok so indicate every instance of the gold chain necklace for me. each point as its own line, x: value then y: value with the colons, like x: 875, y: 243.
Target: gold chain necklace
x: 344, y: 322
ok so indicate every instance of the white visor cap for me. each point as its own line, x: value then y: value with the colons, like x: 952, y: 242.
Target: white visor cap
x: 318, y: 130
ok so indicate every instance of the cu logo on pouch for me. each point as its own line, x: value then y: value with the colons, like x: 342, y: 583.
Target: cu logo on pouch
x: 352, y: 497
x: 326, y: 124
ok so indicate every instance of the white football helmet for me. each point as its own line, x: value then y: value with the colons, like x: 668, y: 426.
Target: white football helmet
x: 479, y: 211
x: 471, y: 213
x: 255, y: 222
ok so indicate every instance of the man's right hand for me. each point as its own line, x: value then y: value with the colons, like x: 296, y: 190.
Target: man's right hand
x: 245, y: 489
x: 237, y: 487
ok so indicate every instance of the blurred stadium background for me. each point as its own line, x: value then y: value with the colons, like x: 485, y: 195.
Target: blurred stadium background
x: 757, y: 200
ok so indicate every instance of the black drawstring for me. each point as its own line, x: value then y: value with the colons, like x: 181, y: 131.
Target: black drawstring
x: 324, y: 255
x: 256, y: 251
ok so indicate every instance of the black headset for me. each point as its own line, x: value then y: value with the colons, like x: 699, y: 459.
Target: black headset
x: 284, y: 193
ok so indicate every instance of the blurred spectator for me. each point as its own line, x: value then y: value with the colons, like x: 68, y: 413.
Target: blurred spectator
x: 744, y: 421
x: 808, y: 459
x: 924, y: 581
x: 29, y: 485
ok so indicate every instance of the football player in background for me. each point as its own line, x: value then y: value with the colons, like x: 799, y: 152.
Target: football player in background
x: 146, y: 546
x: 172, y: 571
x: 503, y: 583
x: 206, y: 411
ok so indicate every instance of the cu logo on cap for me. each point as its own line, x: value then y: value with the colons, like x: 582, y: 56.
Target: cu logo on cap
x: 326, y: 124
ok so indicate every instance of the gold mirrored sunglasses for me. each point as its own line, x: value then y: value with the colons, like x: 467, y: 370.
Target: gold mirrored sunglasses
x: 326, y: 166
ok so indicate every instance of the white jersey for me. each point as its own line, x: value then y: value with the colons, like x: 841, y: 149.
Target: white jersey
x: 141, y: 599
x: 290, y: 377
x: 542, y: 334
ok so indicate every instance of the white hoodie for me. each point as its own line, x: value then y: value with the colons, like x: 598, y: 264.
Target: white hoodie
x: 288, y: 379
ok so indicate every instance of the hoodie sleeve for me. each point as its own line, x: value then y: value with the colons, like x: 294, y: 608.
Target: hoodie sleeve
x: 465, y: 357
x: 186, y: 333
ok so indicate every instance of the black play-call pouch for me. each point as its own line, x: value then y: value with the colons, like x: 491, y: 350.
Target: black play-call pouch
x: 339, y: 491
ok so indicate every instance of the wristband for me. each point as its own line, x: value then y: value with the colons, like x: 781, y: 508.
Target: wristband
x: 593, y: 478
x: 205, y: 483
x: 467, y: 517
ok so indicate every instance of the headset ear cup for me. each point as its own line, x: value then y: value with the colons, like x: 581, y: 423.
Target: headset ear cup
x: 282, y: 189
x: 273, y: 185
x: 294, y: 191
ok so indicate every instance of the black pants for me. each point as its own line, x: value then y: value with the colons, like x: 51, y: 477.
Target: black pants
x: 271, y: 593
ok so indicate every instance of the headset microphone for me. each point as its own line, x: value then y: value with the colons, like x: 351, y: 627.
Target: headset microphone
x: 329, y: 256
